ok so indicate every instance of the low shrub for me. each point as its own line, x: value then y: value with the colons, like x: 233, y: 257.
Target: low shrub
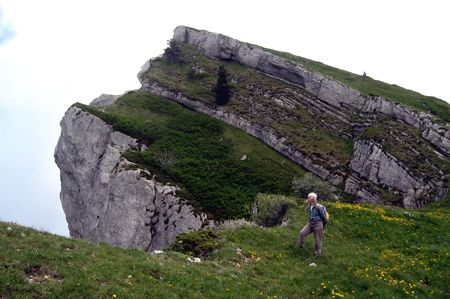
x: 236, y: 224
x: 310, y: 183
x: 199, y: 243
x: 269, y: 210
x: 166, y: 159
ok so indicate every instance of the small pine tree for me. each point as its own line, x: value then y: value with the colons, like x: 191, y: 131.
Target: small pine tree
x: 222, y: 89
x: 172, y: 54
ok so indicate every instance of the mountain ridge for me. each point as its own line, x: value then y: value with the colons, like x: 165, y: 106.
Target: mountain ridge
x: 342, y: 76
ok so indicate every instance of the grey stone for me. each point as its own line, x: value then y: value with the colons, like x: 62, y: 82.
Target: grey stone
x: 104, y: 100
x: 370, y: 163
x: 108, y: 199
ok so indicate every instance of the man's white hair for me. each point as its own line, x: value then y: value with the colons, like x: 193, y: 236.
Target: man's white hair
x: 312, y: 195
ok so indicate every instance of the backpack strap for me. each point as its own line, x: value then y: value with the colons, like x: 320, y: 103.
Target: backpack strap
x: 321, y: 213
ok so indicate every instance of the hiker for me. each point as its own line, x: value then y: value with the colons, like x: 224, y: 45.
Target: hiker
x: 316, y: 220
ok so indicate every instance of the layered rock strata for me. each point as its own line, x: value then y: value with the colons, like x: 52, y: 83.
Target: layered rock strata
x: 371, y: 163
x: 218, y: 46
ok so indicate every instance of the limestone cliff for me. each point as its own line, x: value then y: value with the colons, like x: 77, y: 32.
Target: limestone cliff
x: 108, y: 199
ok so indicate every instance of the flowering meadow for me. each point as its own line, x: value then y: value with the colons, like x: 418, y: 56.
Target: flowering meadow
x: 369, y: 252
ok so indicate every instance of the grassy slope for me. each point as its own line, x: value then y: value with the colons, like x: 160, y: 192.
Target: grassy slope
x: 369, y: 252
x: 207, y: 154
x: 369, y: 86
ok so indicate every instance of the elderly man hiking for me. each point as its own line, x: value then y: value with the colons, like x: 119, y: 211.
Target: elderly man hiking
x: 316, y: 221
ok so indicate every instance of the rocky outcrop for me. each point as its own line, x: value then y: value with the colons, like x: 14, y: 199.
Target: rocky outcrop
x: 437, y: 135
x: 104, y: 100
x: 106, y: 198
x: 371, y: 163
x: 336, y: 94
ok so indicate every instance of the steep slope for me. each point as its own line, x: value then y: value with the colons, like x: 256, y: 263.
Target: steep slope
x: 368, y: 252
x: 312, y: 119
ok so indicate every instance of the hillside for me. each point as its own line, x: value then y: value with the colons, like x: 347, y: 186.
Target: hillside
x: 141, y: 168
x: 369, y: 252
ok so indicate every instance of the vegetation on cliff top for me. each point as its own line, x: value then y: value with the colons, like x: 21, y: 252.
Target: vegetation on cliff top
x: 369, y: 252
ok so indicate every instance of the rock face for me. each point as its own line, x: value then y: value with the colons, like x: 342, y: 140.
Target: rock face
x: 106, y: 198
x: 218, y: 46
x: 371, y: 163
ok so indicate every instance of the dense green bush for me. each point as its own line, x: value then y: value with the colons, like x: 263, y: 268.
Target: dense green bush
x: 269, y: 210
x: 310, y: 183
x: 198, y: 243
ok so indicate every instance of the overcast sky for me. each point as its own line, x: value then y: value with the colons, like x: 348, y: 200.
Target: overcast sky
x: 55, y: 53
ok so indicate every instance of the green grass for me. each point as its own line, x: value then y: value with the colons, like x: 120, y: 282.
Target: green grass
x: 369, y: 86
x: 206, y: 154
x: 369, y: 252
x: 303, y: 132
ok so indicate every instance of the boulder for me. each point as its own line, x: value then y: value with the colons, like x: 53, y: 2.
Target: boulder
x: 104, y: 100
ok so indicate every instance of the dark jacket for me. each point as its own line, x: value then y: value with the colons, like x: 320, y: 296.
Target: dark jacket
x: 315, y: 213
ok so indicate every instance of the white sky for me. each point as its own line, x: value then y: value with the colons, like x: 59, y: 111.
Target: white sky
x: 55, y: 52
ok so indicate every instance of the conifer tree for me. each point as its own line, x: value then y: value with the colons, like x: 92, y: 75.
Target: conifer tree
x: 222, y: 89
x: 172, y: 54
